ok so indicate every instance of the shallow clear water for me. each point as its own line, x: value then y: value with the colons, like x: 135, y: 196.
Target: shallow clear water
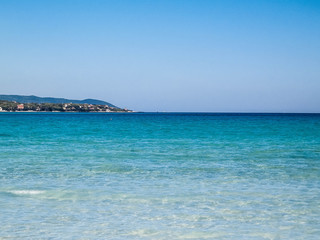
x: 159, y: 176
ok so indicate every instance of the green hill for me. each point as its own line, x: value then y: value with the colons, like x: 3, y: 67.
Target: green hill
x: 35, y: 99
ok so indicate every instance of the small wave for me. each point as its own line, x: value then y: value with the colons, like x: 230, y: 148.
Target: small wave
x: 26, y: 192
x: 5, y: 135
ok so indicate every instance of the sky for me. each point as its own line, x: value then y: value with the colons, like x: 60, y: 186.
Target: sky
x: 174, y: 55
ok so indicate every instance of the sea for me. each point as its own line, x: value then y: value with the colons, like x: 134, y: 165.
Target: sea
x: 159, y: 176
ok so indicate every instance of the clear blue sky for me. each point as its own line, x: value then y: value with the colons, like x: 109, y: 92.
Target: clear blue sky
x: 197, y: 55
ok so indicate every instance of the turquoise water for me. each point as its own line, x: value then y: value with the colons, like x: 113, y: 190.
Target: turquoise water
x: 159, y: 176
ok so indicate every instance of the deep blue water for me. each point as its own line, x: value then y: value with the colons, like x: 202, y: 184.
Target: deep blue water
x: 159, y: 176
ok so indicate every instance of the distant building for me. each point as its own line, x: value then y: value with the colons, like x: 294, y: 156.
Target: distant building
x: 65, y: 106
x: 20, y: 106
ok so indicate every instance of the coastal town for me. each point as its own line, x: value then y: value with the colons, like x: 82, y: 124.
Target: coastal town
x: 12, y: 106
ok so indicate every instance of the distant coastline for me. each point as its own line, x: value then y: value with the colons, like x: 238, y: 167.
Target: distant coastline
x: 7, y: 106
x: 36, y: 99
x: 17, y: 103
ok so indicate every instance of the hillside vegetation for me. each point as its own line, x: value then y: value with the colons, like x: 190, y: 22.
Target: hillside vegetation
x: 10, y: 106
x: 35, y: 99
